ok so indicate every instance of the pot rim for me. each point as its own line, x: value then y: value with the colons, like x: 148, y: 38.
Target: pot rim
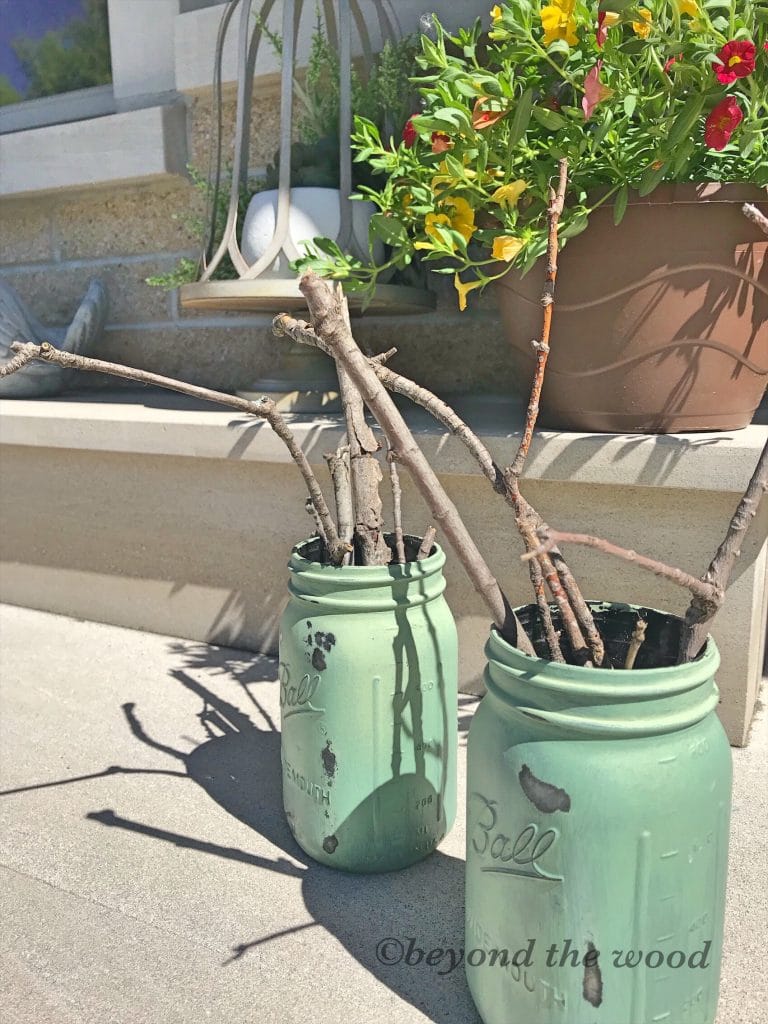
x: 691, y: 193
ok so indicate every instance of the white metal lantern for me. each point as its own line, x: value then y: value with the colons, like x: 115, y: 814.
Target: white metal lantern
x: 262, y: 248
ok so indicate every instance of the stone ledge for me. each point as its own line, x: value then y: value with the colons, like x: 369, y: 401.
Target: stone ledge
x: 154, y: 423
x: 138, y: 145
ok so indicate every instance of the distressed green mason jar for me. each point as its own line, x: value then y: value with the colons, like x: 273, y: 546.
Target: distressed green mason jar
x: 598, y: 807
x: 368, y: 693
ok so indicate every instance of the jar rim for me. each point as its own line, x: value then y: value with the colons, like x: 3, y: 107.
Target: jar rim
x: 617, y: 684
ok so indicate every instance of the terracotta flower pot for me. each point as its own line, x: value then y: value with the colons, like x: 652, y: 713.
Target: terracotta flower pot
x: 661, y: 324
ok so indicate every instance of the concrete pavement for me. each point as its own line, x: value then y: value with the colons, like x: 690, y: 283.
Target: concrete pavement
x: 144, y: 879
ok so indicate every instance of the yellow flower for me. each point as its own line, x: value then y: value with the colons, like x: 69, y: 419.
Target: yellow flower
x: 431, y: 222
x: 558, y: 22
x: 510, y: 193
x: 689, y: 7
x: 445, y: 178
x: 643, y: 28
x: 496, y: 13
x: 506, y: 247
x: 462, y: 217
x: 463, y: 287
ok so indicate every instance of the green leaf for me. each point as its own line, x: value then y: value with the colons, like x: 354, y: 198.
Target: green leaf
x: 329, y: 247
x: 602, y: 129
x: 390, y: 230
x: 630, y: 102
x: 620, y: 204
x: 522, y: 118
x: 574, y: 226
x: 549, y: 118
x: 685, y: 120
x: 651, y: 177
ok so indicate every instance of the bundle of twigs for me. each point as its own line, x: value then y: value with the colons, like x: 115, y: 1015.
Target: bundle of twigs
x: 356, y: 474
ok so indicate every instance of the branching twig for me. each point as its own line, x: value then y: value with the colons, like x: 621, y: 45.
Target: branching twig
x: 752, y: 213
x: 329, y: 321
x: 264, y: 409
x: 397, y: 506
x: 551, y: 537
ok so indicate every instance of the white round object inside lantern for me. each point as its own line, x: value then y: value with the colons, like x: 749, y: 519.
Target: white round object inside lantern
x: 314, y: 213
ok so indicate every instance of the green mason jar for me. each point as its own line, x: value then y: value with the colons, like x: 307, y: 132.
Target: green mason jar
x: 368, y: 694
x: 598, y: 807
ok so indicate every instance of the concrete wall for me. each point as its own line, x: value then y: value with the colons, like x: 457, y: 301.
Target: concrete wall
x: 148, y: 514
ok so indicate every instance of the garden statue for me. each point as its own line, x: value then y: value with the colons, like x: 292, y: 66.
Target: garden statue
x: 38, y: 380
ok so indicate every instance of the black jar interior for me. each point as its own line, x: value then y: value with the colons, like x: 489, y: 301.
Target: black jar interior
x: 616, y: 623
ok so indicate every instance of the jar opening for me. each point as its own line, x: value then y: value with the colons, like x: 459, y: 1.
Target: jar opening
x: 616, y: 623
x: 314, y: 549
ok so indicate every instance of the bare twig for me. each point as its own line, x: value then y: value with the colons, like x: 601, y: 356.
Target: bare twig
x: 264, y: 409
x: 545, y: 614
x: 635, y: 643
x: 364, y: 468
x: 397, y: 506
x: 752, y: 213
x: 329, y: 322
x: 696, y: 586
x: 338, y: 467
x: 704, y: 606
x: 556, y: 201
x: 427, y: 543
x: 309, y: 505
x: 21, y: 359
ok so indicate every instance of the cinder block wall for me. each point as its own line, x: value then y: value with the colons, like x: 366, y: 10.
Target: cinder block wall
x: 51, y: 245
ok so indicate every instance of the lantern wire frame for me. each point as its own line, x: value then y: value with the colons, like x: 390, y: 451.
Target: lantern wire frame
x: 249, y: 291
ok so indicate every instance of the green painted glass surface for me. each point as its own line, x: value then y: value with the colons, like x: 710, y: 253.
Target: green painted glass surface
x: 368, y: 693
x: 598, y: 807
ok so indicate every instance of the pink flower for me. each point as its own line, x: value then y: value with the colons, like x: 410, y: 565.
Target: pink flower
x: 594, y: 91
x: 737, y: 61
x: 722, y: 122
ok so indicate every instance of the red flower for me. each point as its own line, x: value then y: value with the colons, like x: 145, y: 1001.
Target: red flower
x: 604, y: 21
x: 409, y: 132
x: 485, y: 118
x: 737, y: 61
x: 441, y: 142
x: 671, y: 61
x: 722, y: 122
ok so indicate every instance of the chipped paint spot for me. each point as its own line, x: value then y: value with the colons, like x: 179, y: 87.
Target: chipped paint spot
x: 330, y: 843
x: 318, y: 659
x: 325, y: 640
x: 592, y: 988
x: 329, y: 760
x: 544, y: 796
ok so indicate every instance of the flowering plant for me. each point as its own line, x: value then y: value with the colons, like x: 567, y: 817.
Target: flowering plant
x: 632, y: 94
